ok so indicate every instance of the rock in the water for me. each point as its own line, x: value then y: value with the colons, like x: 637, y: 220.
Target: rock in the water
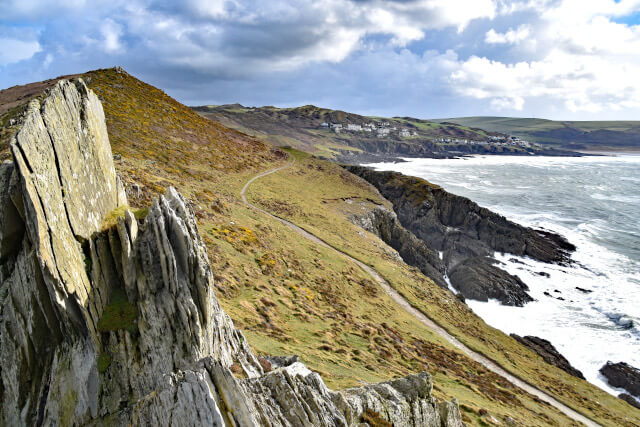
x: 464, y: 231
x: 548, y: 352
x: 622, y: 375
x: 629, y: 399
x: 477, y: 278
x: 120, y: 324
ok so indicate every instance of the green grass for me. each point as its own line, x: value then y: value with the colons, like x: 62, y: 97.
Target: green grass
x: 118, y: 314
x: 546, y: 131
x: 104, y: 361
x: 111, y: 219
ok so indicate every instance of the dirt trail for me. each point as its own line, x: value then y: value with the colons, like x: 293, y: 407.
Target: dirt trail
x: 420, y: 316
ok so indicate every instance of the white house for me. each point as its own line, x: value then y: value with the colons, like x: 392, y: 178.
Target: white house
x: 404, y: 133
x: 353, y: 127
x: 383, y: 132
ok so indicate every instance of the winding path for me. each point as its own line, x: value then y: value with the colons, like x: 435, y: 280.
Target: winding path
x: 419, y: 315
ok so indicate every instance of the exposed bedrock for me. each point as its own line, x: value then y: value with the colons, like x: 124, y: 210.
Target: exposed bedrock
x: 119, y: 324
x: 467, y: 235
x: 384, y: 223
x: 622, y: 375
x: 630, y: 400
x: 548, y: 352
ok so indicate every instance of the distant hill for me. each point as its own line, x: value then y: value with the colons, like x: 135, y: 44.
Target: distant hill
x: 571, y: 135
x: 302, y: 128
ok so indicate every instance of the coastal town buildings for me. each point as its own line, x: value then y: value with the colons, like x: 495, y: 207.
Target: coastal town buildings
x: 385, y: 129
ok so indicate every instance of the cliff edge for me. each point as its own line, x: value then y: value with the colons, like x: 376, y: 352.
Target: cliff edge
x: 107, y: 316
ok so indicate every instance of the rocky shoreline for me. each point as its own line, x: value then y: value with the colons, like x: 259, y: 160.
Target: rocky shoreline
x: 397, y: 153
x: 465, y: 236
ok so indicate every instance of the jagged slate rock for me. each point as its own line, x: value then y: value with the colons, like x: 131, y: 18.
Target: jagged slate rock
x: 293, y: 396
x: 629, y: 399
x: 477, y: 278
x: 63, y: 157
x: 163, y: 268
x: 384, y: 223
x: 462, y: 230
x: 622, y: 375
x: 74, y: 153
x: 183, y: 398
x: 405, y: 401
x: 288, y: 396
x: 548, y: 352
x: 49, y: 310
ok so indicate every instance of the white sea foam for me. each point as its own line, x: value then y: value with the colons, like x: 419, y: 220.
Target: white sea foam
x: 593, y: 202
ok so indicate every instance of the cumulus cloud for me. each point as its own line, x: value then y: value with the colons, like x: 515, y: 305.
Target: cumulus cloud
x: 17, y: 44
x: 276, y: 35
x: 14, y: 50
x: 111, y: 33
x: 586, y: 61
x: 510, y: 37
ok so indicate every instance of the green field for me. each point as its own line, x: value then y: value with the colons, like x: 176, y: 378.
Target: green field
x: 589, y: 135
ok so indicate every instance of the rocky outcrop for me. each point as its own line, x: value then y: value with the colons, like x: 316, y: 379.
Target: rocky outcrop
x: 384, y: 223
x: 622, y: 375
x: 119, y: 324
x: 548, y: 352
x: 467, y: 235
x: 478, y: 278
x: 630, y: 400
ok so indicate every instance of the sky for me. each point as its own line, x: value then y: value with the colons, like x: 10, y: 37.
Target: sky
x: 556, y: 59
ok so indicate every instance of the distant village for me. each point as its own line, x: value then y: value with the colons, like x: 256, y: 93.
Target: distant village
x: 385, y: 129
x: 381, y: 130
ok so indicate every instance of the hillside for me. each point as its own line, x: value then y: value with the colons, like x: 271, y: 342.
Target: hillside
x: 570, y: 135
x: 290, y: 296
x: 312, y: 129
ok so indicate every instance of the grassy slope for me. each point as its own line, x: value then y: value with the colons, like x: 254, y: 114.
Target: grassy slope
x: 293, y: 297
x: 591, y: 133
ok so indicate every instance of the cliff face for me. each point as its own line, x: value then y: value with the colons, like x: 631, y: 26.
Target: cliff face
x: 467, y: 235
x: 105, y: 323
x: 384, y: 223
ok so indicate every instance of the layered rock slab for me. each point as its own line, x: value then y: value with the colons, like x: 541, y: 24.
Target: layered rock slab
x: 122, y: 324
x: 384, y: 223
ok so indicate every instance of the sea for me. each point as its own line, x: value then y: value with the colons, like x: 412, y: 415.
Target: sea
x: 590, y: 311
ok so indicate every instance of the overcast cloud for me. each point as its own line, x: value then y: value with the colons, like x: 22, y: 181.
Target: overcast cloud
x: 562, y: 59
